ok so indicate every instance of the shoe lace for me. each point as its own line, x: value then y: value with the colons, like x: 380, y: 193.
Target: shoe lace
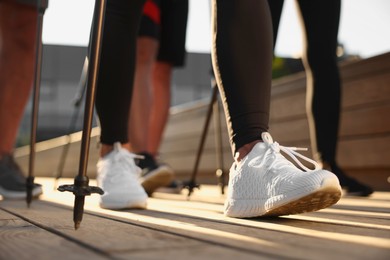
x: 129, y: 162
x: 274, y: 151
x: 126, y: 162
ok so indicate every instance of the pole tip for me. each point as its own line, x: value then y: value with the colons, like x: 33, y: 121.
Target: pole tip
x: 28, y: 198
x: 77, y: 225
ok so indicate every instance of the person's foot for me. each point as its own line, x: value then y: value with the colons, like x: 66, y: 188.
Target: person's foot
x: 265, y: 183
x: 12, y: 180
x: 154, y: 175
x: 118, y: 176
x: 352, y: 186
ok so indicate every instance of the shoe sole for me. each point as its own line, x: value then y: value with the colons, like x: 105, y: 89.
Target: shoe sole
x: 18, y: 195
x: 318, y: 200
x: 328, y: 194
x: 159, y: 178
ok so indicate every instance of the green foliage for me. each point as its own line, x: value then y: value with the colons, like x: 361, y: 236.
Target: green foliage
x: 285, y: 66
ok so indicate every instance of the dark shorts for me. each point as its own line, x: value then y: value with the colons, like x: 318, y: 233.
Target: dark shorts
x: 28, y: 2
x: 168, y: 24
x: 25, y: 2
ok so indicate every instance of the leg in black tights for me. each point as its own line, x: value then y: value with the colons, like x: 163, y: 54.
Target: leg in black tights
x: 321, y: 23
x: 321, y: 20
x: 116, y: 73
x: 242, y: 59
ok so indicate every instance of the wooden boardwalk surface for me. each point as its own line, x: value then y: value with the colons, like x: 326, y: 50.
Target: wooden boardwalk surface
x: 173, y: 227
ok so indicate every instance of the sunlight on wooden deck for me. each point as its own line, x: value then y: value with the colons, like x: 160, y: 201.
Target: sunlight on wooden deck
x: 181, y: 205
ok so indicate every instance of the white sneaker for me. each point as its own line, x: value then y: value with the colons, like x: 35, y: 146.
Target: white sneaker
x: 118, y: 176
x: 265, y: 183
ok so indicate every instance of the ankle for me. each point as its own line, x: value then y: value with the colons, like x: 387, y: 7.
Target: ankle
x: 107, y: 148
x: 244, y: 150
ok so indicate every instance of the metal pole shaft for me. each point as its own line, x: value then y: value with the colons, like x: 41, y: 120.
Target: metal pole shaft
x: 36, y: 89
x: 81, y: 181
x: 218, y: 143
x: 91, y: 84
x: 192, y: 184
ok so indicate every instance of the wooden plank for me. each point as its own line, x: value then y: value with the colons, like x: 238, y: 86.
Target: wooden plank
x: 363, y: 82
x: 191, y: 122
x: 289, y: 106
x: 365, y: 152
x: 49, y: 153
x: 23, y: 240
x: 288, y: 85
x: 373, y: 89
x: 375, y: 65
x: 366, y: 121
x: 120, y: 237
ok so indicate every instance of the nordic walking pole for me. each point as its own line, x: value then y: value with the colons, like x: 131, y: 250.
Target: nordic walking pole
x: 191, y: 184
x: 218, y: 142
x: 80, y: 187
x: 34, y: 117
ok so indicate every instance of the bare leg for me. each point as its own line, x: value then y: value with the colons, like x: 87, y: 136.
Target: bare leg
x: 18, y: 28
x: 17, y: 57
x: 162, y: 76
x: 142, y: 97
x: 155, y: 175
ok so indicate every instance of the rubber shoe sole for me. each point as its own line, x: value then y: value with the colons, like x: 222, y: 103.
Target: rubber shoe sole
x: 117, y: 205
x: 18, y: 195
x: 160, y: 177
x: 328, y: 194
x: 320, y: 199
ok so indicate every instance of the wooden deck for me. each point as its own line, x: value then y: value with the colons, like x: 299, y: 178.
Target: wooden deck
x: 174, y: 228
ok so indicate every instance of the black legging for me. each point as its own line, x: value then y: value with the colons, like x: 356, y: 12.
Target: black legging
x: 242, y: 59
x: 117, y: 64
x: 321, y: 23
